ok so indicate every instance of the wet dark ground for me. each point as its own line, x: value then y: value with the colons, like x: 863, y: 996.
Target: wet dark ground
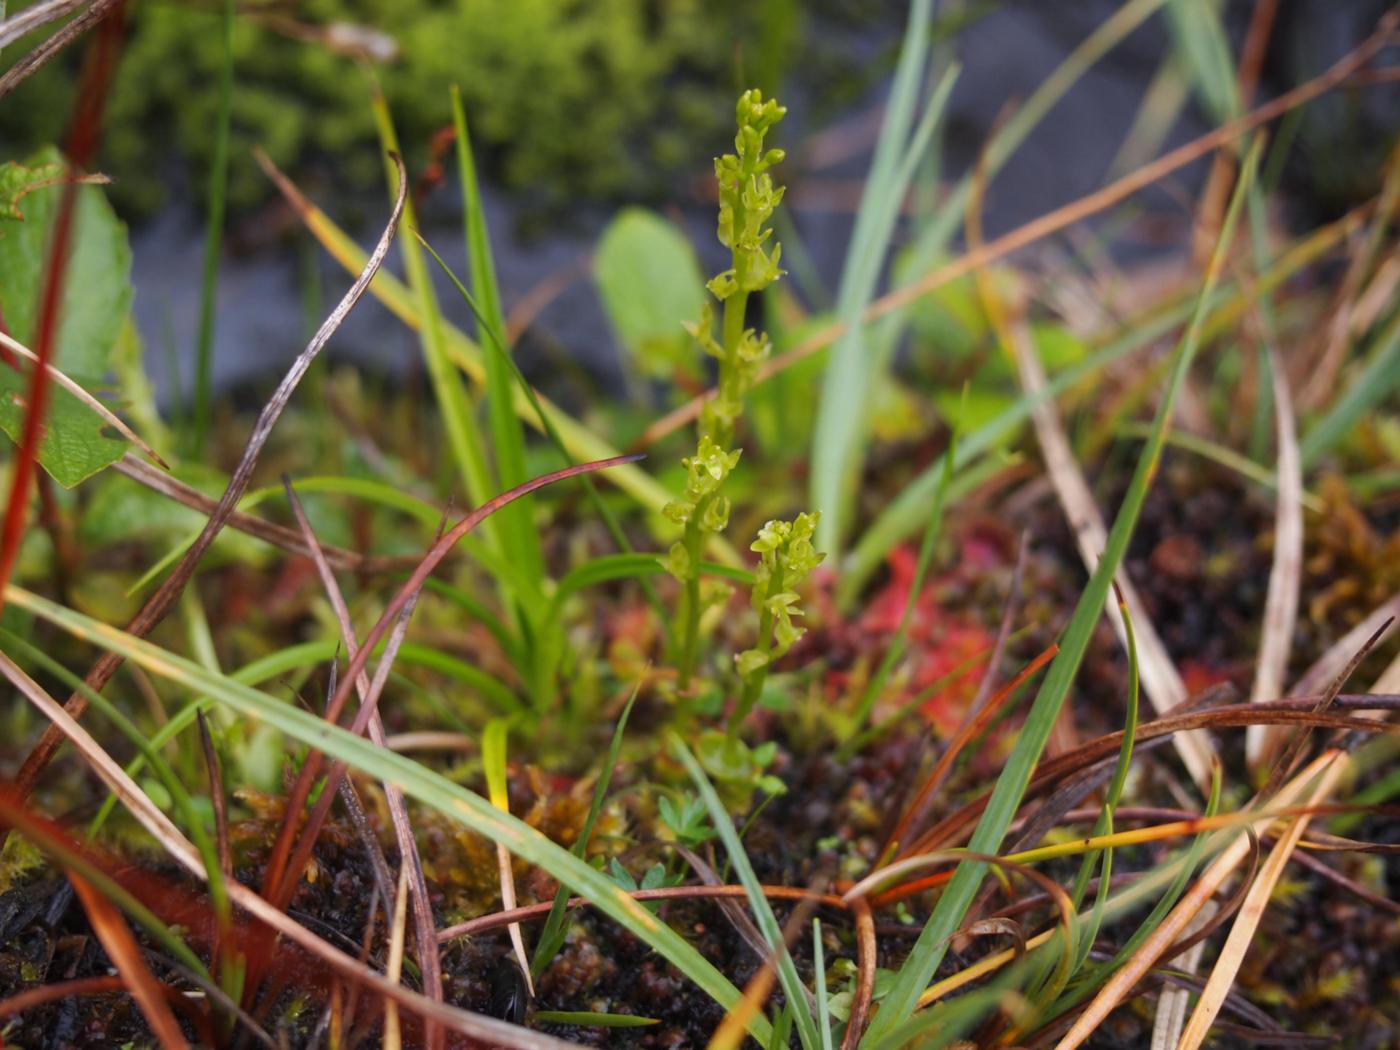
x: 1323, y: 962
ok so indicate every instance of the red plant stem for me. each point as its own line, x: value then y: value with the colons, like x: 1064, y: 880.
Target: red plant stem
x: 46, y: 993
x: 967, y: 732
x: 82, y: 144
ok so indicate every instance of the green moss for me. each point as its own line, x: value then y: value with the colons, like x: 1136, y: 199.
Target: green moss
x: 600, y: 98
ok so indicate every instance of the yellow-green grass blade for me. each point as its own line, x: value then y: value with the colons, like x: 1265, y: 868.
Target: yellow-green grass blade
x: 516, y: 524
x: 468, y: 357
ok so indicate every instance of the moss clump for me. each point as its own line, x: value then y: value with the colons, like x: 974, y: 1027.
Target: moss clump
x: 603, y: 102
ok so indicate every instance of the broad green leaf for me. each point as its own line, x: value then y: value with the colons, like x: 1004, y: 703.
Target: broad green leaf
x: 19, y: 180
x: 97, y: 283
x: 650, y: 283
x: 75, y: 443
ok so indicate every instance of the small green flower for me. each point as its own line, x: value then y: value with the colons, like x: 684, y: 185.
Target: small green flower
x: 787, y: 557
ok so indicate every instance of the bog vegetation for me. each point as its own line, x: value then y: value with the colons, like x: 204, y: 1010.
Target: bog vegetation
x: 991, y: 652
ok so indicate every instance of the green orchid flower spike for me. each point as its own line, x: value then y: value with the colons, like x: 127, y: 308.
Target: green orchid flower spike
x: 787, y: 559
x: 747, y: 198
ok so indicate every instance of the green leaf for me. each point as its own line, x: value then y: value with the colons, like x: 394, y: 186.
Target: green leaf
x: 97, y: 283
x: 96, y: 298
x: 18, y: 181
x: 650, y: 284
x: 75, y: 443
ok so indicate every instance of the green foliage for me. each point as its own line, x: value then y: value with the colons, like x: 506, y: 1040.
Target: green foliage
x: 737, y: 769
x: 650, y: 285
x: 96, y: 298
x: 654, y: 878
x: 614, y: 71
x: 687, y: 820
x: 787, y: 558
x: 747, y: 198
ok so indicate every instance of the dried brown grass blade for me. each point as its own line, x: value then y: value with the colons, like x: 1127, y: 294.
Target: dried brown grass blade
x: 1161, y: 681
x: 46, y: 993
x: 182, y: 852
x: 269, y: 532
x: 1232, y: 953
x: 165, y: 596
x: 1281, y: 603
x: 1180, y: 917
x: 1174, y: 1001
x: 393, y: 1038
x: 122, y: 949
x: 866, y: 960
x: 425, y: 938
x: 1347, y: 312
x: 40, y: 56
x: 1334, y: 661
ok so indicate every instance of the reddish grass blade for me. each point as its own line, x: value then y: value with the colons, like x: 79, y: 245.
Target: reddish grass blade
x: 47, y: 993
x: 82, y: 145
x: 122, y: 949
x: 279, y: 874
x: 967, y: 732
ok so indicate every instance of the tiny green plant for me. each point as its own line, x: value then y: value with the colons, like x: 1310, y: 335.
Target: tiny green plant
x: 747, y: 198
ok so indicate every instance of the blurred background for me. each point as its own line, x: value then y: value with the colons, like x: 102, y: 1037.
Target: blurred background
x: 579, y: 110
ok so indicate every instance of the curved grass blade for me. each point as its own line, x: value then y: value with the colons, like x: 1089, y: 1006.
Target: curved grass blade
x: 428, y: 787
x: 928, y: 951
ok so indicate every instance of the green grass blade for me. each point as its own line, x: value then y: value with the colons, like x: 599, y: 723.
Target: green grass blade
x: 593, y: 1019
x: 1096, y: 976
x: 819, y: 973
x: 932, y: 945
x: 793, y: 988
x: 467, y: 357
x: 1104, y: 825
x: 213, y: 237
x: 1376, y: 380
x: 843, y: 410
x: 463, y: 435
x: 274, y: 665
x: 1199, y: 39
x: 552, y: 936
x: 430, y: 788
x: 517, y: 525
